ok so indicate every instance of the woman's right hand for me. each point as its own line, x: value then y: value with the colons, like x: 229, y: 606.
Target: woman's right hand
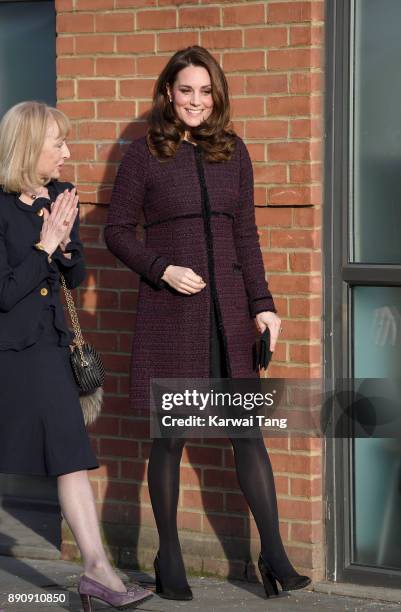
x: 63, y: 213
x: 183, y: 279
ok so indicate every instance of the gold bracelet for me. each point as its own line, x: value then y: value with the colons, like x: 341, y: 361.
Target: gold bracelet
x: 39, y: 246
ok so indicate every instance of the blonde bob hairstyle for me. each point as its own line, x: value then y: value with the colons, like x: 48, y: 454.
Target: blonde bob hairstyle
x: 23, y: 132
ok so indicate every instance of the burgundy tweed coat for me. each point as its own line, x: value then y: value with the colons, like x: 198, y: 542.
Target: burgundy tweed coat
x: 199, y: 215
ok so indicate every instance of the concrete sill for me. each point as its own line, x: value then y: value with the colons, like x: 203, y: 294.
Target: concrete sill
x: 358, y: 590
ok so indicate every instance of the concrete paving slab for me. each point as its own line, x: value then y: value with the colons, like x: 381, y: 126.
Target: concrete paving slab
x: 210, y: 595
x: 27, y: 532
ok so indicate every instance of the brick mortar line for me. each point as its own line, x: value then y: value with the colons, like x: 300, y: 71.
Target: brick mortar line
x: 201, y: 511
x: 250, y: 141
x: 239, y: 493
x: 167, y: 54
x: 302, y: 71
x: 273, y: 451
x: 158, y: 9
x: 249, y: 72
x: 306, y: 139
x: 162, y: 52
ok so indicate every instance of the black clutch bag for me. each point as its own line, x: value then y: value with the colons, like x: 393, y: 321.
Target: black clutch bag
x: 264, y: 354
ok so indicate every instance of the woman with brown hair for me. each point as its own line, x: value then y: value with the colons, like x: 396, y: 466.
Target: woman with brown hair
x: 202, y: 284
x: 42, y: 430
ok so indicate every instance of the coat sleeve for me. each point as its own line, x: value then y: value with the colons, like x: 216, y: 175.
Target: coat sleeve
x: 247, y: 241
x: 126, y: 204
x: 16, y: 282
x: 73, y: 269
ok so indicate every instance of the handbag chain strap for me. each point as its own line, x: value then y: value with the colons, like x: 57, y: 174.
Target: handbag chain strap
x: 79, y: 341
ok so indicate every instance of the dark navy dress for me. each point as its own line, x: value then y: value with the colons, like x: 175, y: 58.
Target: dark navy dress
x: 42, y: 431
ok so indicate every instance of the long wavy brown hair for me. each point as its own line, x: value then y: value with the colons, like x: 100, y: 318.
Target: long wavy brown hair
x: 215, y: 135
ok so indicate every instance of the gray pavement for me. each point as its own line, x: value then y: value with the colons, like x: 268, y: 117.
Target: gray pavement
x: 50, y: 577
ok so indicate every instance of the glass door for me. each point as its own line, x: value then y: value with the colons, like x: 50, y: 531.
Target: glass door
x: 27, y: 52
x: 27, y: 72
x: 363, y: 336
x: 374, y: 238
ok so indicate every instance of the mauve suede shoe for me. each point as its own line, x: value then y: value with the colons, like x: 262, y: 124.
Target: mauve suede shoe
x: 89, y: 588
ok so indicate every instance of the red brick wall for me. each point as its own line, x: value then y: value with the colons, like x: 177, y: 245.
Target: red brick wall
x: 109, y: 53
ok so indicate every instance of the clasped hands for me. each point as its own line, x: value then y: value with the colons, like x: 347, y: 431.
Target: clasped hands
x: 186, y: 281
x: 57, y: 223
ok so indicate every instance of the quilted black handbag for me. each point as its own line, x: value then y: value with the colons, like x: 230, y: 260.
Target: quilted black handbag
x: 86, y: 365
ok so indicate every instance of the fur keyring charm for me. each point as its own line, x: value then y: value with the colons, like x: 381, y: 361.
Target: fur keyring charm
x: 91, y: 404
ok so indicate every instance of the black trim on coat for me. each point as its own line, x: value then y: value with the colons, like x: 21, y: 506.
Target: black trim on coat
x: 264, y: 297
x: 167, y: 219
x: 206, y: 213
x: 188, y: 216
x: 223, y: 213
x: 159, y: 282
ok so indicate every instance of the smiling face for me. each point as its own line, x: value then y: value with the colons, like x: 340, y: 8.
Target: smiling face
x: 191, y: 95
x: 54, y: 153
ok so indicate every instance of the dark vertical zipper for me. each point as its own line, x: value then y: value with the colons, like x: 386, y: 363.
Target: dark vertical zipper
x: 206, y: 213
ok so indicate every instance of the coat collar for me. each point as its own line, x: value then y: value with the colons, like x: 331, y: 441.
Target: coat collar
x: 40, y: 202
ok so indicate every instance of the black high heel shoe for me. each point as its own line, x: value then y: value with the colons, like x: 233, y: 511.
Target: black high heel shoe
x: 270, y: 579
x: 183, y: 593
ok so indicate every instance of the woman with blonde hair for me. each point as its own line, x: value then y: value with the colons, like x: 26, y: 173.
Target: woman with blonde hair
x: 202, y: 288
x: 42, y: 429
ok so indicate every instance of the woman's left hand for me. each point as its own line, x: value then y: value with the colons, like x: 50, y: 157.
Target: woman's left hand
x: 273, y: 322
x: 66, y: 238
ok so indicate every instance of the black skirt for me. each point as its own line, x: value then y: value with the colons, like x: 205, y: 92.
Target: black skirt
x: 42, y: 430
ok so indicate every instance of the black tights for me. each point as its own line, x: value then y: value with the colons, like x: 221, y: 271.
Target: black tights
x: 256, y: 480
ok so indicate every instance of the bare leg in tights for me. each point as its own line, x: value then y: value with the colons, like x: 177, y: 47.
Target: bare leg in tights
x: 79, y: 510
x: 256, y: 480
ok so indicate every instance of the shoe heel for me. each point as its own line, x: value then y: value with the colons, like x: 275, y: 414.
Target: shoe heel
x: 269, y: 581
x: 86, y: 603
x: 183, y: 593
x: 158, y: 581
x: 270, y: 586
